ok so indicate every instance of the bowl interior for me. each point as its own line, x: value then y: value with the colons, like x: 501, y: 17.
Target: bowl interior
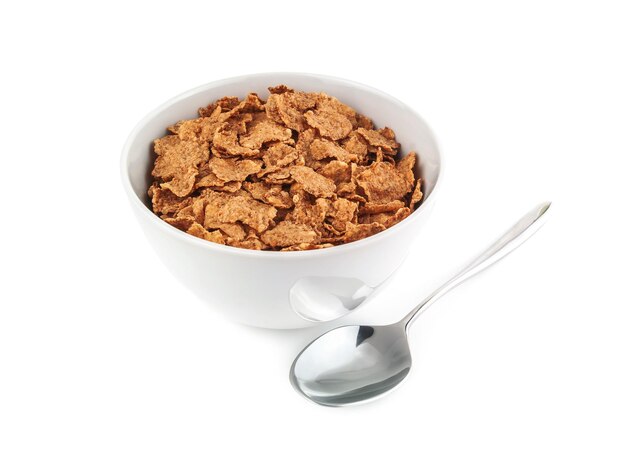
x: 411, y: 131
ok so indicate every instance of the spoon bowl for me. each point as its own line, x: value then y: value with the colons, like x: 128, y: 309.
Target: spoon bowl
x: 358, y: 363
x: 352, y: 364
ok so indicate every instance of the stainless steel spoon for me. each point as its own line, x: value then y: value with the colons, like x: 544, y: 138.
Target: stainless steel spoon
x: 358, y: 363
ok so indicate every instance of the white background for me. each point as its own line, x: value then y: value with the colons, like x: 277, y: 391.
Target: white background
x: 105, y: 358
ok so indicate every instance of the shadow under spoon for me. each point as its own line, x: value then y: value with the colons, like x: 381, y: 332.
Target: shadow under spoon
x: 358, y: 363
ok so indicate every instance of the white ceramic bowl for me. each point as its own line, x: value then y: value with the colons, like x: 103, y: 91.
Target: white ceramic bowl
x: 271, y: 288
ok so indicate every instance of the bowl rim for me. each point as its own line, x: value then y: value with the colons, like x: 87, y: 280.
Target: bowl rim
x: 273, y: 254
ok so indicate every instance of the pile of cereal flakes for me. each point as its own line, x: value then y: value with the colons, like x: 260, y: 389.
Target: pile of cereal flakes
x: 300, y: 171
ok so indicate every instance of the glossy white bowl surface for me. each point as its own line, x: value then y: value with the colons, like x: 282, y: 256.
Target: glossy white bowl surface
x: 281, y: 289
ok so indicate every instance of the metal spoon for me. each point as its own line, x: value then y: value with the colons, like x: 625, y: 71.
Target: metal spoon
x: 358, y: 363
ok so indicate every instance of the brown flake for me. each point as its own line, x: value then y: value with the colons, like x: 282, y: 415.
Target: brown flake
x: 291, y: 107
x: 417, y: 195
x: 164, y: 201
x: 224, y: 103
x: 405, y: 167
x: 342, y: 212
x: 234, y: 231
x: 382, y: 183
x: 329, y: 122
x: 375, y: 208
x: 231, y: 186
x: 388, y: 218
x: 182, y: 223
x: 278, y: 198
x: 177, y: 163
x: 198, y: 231
x: 364, y: 122
x: 288, y: 233
x: 307, y: 246
x: 355, y: 144
x: 278, y: 155
x: 209, y: 180
x: 321, y: 149
x: 262, y: 130
x: 250, y: 243
x: 227, y: 103
x: 303, y: 145
x: 307, y: 212
x: 231, y: 208
x: 379, y: 139
x: 257, y: 189
x: 230, y: 169
x: 328, y: 103
x: 271, y: 110
x: 358, y: 231
x: 314, y: 183
x: 301, y: 171
x: 338, y: 171
x: 226, y: 140
x: 273, y: 195
x: 279, y: 176
x: 281, y: 88
x: 200, y: 130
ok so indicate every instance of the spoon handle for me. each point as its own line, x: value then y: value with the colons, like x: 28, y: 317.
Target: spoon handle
x: 513, y: 238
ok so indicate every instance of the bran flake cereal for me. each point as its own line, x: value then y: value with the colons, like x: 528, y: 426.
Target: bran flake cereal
x: 299, y: 171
